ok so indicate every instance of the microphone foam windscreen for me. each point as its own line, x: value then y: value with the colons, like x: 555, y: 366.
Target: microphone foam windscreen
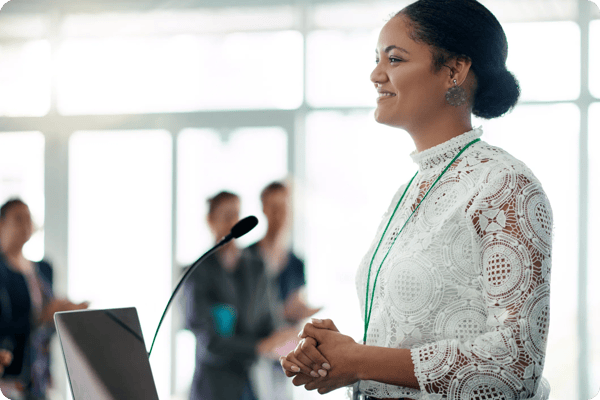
x: 244, y: 226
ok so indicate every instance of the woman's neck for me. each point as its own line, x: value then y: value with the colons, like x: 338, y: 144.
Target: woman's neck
x: 439, y: 131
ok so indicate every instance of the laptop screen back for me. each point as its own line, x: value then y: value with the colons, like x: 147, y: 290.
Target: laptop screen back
x: 106, y: 355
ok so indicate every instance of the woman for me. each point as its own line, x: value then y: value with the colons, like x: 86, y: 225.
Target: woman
x: 455, y: 287
x: 227, y: 309
x: 27, y: 307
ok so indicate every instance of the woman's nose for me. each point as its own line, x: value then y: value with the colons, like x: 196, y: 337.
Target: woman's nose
x: 377, y: 75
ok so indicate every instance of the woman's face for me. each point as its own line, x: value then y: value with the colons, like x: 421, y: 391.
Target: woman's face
x: 16, y: 227
x: 224, y: 217
x: 410, y: 93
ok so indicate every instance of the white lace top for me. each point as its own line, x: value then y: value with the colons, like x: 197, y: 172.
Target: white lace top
x: 466, y: 285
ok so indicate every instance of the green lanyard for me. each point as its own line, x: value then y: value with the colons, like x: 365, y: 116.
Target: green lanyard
x: 369, y: 308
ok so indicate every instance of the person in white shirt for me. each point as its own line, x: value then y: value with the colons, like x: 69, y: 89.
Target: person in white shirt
x: 455, y: 287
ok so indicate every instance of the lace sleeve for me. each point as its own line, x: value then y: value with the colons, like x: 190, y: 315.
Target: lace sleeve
x: 511, y: 224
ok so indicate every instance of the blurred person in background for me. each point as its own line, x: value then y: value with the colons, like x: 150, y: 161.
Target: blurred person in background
x: 27, y: 307
x: 227, y: 309
x: 285, y: 284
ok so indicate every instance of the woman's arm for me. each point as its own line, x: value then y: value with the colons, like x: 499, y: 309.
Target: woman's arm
x: 510, y: 221
x: 351, y: 361
x: 386, y: 365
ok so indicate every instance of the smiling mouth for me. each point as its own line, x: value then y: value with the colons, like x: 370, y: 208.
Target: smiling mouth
x: 385, y: 96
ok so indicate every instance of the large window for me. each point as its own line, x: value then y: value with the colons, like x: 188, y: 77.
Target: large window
x: 118, y: 125
x: 120, y: 229
x: 25, y: 78
x: 338, y: 68
x: 119, y: 75
x: 531, y: 59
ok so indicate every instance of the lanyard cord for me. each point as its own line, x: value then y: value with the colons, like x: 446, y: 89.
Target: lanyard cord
x: 369, y: 309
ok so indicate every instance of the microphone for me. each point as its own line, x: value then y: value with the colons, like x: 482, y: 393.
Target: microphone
x: 240, y: 229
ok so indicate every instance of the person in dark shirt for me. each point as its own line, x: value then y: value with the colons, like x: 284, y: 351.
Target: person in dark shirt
x: 227, y: 310
x: 27, y: 307
x: 285, y: 281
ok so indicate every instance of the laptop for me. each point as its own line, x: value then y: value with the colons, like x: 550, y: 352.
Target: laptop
x: 105, y: 354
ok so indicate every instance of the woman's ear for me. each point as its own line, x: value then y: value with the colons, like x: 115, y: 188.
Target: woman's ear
x: 459, y: 69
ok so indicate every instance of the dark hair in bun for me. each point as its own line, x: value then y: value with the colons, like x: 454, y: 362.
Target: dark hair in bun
x: 466, y: 29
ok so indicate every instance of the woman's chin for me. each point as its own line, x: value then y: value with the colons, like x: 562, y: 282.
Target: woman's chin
x: 382, y: 118
x: 379, y: 116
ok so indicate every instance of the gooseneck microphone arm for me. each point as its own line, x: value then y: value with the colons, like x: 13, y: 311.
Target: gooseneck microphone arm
x: 240, y: 229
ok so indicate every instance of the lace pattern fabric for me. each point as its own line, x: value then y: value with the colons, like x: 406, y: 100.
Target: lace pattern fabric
x: 466, y: 285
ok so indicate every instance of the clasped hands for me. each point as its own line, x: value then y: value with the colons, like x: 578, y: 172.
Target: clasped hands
x: 324, y: 359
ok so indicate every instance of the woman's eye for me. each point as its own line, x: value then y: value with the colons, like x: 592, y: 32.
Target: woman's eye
x: 391, y: 59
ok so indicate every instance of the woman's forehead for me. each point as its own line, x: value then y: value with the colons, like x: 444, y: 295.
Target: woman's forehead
x: 396, y: 33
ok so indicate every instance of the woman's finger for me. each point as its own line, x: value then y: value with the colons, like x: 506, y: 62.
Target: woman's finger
x: 314, y: 384
x: 324, y: 324
x: 292, y: 364
x: 290, y: 374
x: 301, y: 379
x: 287, y: 373
x: 289, y: 366
x: 324, y: 390
x: 309, y: 355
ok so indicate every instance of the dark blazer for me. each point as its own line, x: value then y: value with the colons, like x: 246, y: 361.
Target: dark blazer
x: 18, y: 333
x: 228, y: 312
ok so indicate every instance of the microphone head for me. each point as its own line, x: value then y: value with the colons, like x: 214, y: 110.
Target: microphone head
x: 244, y: 226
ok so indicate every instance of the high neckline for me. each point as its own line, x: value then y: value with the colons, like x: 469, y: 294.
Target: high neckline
x: 443, y: 153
